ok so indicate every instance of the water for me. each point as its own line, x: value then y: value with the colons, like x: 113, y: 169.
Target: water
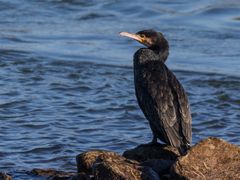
x: 67, y: 82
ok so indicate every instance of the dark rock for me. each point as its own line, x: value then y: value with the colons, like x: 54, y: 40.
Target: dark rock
x: 53, y: 174
x: 160, y: 166
x: 5, y: 176
x: 85, y: 160
x: 117, y: 167
x: 145, y: 152
x: 211, y: 158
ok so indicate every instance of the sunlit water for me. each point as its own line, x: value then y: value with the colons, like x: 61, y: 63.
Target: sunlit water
x: 67, y: 82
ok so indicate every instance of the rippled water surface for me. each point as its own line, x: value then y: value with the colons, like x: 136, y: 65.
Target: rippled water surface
x: 67, y: 82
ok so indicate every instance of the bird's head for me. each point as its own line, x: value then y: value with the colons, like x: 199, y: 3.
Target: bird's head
x: 150, y: 38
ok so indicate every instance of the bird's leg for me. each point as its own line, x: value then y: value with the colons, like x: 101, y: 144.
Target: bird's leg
x: 154, y: 140
x: 152, y: 143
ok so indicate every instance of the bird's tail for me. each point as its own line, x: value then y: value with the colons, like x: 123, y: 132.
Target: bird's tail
x: 183, y: 149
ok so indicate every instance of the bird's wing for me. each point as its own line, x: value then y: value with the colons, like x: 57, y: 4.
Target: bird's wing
x: 154, y: 94
x: 184, y: 108
x: 159, y: 95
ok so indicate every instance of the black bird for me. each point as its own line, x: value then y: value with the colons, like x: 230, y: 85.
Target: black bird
x: 160, y: 95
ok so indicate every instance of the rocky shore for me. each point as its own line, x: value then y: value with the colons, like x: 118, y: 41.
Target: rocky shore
x: 211, y: 158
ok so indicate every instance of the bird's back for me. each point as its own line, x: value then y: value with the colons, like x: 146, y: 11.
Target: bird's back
x: 163, y: 101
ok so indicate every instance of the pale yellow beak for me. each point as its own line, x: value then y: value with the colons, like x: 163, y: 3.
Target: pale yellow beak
x: 132, y: 36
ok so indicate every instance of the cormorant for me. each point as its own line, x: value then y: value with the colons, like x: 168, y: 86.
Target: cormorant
x: 160, y: 95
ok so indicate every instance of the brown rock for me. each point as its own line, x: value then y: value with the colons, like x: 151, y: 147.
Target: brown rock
x: 211, y: 158
x: 114, y: 157
x: 85, y: 160
x: 145, y: 152
x: 117, y: 167
x: 44, y: 172
x: 5, y: 176
x: 79, y: 176
x: 59, y: 175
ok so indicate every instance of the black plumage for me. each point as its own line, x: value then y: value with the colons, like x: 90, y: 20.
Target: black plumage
x: 160, y: 95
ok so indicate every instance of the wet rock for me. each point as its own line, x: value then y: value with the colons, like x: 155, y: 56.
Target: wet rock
x: 211, y: 158
x: 117, y: 167
x: 145, y: 152
x: 53, y: 174
x: 85, y: 160
x: 5, y: 176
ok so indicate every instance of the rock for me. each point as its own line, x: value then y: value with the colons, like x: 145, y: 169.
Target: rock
x: 79, y: 176
x: 85, y: 160
x: 117, y: 167
x: 5, y: 176
x: 211, y: 158
x: 44, y: 172
x: 53, y: 174
x: 160, y: 166
x: 145, y: 152
x: 114, y: 157
x: 106, y: 165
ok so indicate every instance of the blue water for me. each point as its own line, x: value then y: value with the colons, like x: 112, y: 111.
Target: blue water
x: 67, y: 82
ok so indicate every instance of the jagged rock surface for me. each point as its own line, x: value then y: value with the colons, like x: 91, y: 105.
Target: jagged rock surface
x: 106, y: 165
x: 53, y: 174
x: 211, y: 158
x: 117, y: 167
x: 85, y: 160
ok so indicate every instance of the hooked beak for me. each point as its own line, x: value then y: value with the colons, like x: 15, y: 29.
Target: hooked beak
x: 132, y: 36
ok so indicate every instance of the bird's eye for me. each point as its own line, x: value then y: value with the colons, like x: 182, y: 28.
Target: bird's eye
x: 142, y: 35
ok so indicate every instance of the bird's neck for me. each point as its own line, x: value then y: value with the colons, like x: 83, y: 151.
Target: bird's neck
x: 145, y: 55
